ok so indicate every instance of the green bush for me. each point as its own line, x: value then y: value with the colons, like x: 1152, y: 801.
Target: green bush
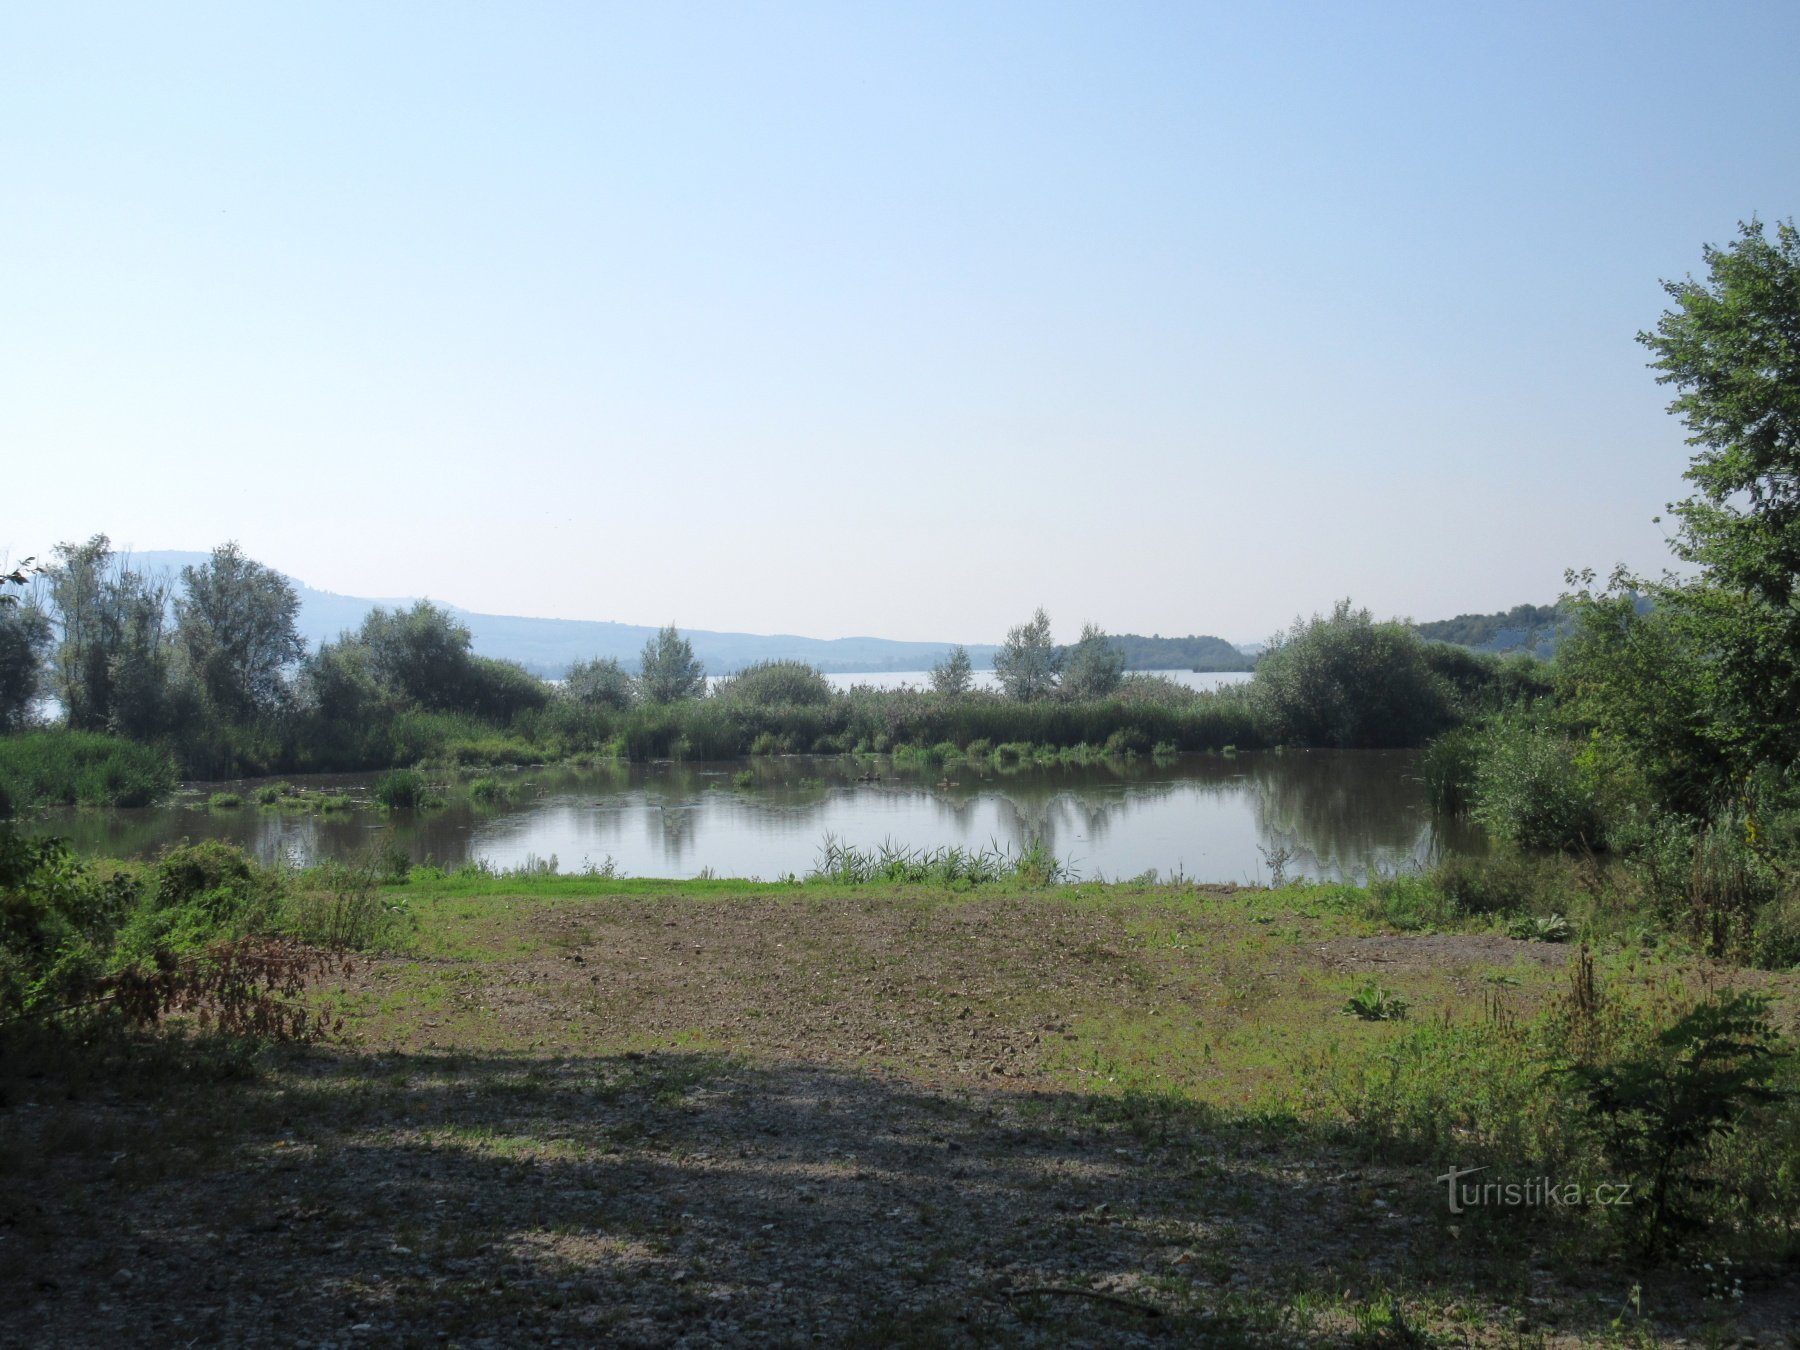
x: 200, y: 893
x: 224, y: 801
x: 81, y: 768
x: 401, y: 790
x: 776, y: 684
x: 1660, y: 1111
x: 489, y: 791
x: 1530, y: 790
x: 1349, y: 682
x: 58, y: 918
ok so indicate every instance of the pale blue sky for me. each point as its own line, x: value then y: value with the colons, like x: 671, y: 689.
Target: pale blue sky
x: 897, y: 320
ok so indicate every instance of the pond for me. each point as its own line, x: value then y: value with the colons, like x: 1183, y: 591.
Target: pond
x: 1330, y: 814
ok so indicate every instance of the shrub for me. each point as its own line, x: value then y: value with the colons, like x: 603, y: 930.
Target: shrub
x: 403, y: 789
x: 489, y: 791
x: 1374, y: 1003
x: 1448, y: 765
x: 341, y: 906
x: 81, y: 768
x: 1349, y: 682
x: 1127, y: 741
x: 601, y: 683
x: 771, y: 684
x: 1530, y: 791
x: 1657, y: 1112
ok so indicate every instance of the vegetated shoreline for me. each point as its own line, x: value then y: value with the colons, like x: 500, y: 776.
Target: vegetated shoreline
x: 1008, y: 1111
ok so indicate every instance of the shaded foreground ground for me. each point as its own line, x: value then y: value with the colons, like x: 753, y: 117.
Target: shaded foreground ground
x: 723, y: 1115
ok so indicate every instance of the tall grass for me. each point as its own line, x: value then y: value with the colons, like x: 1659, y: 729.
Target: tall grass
x: 80, y: 768
x: 846, y: 865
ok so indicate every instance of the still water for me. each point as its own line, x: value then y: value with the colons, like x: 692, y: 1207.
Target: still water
x: 1335, y: 813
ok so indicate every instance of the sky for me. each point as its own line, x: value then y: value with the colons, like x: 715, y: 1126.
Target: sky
x: 860, y: 319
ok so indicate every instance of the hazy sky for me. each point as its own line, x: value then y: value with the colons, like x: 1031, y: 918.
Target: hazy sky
x: 858, y: 319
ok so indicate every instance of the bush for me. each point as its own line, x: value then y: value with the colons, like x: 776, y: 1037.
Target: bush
x: 1448, y: 765
x: 81, y: 768
x: 772, y: 684
x: 601, y: 683
x: 1658, y: 1112
x: 57, y: 921
x: 201, y: 893
x: 401, y: 790
x: 1127, y: 741
x: 488, y: 791
x: 1530, y: 791
x: 1349, y: 682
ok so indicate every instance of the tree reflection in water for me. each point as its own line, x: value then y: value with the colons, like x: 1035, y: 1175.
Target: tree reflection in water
x: 1338, y: 813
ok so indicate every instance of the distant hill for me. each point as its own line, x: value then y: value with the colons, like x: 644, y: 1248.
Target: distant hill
x: 1523, y: 628
x: 1182, y: 653
x: 549, y: 646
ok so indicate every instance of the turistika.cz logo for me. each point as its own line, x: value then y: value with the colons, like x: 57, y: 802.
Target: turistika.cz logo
x: 1533, y: 1192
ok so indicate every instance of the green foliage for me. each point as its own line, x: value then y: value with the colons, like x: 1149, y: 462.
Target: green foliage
x: 1730, y: 347
x: 1448, y: 766
x: 846, y: 865
x: 489, y: 791
x: 401, y: 790
x: 1659, y: 1111
x: 342, y: 906
x: 1349, y: 682
x: 1028, y: 662
x: 224, y: 801
x: 953, y: 676
x: 1523, y: 628
x: 1373, y: 1002
x: 57, y: 919
x: 668, y: 670
x: 235, y: 633
x: 600, y: 683
x: 25, y: 638
x: 1091, y: 668
x: 776, y: 684
x: 200, y: 893
x: 82, y: 768
x: 110, y: 661
x: 1529, y: 788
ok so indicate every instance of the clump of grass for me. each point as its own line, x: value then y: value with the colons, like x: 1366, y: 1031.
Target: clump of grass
x: 272, y: 794
x: 743, y: 780
x: 489, y: 791
x: 401, y: 790
x: 341, y: 905
x: 81, y: 768
x: 845, y: 864
x: 224, y: 801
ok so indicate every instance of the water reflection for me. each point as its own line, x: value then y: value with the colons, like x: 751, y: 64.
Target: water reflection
x: 1336, y: 813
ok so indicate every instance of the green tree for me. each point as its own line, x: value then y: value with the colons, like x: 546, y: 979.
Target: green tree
x: 777, y: 684
x: 419, y: 655
x: 669, y: 671
x: 954, y: 676
x: 110, y: 663
x: 1093, y: 667
x: 1347, y: 682
x: 1027, y: 662
x: 25, y: 638
x: 1701, y: 690
x: 235, y: 630
x: 600, y: 683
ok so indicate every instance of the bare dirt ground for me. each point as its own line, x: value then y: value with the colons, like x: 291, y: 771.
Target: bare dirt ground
x: 649, y: 1121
